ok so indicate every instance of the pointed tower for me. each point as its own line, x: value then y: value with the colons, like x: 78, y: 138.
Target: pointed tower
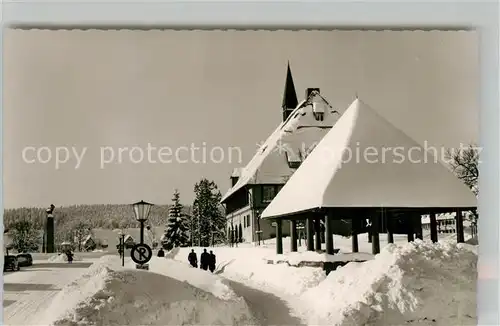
x: 290, y: 101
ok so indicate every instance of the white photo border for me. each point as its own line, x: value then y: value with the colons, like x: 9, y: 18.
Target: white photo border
x: 480, y: 15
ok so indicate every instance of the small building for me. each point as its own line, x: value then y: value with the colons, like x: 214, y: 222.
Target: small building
x: 446, y: 223
x: 129, y: 241
x: 89, y: 244
x: 253, y: 187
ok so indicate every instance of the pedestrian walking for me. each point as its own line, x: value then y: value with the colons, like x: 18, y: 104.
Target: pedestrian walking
x: 204, y: 259
x: 193, y: 259
x: 212, y: 264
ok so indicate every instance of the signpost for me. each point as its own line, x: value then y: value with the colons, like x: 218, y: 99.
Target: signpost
x: 141, y: 254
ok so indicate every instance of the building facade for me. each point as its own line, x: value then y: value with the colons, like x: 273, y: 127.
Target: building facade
x: 254, y: 186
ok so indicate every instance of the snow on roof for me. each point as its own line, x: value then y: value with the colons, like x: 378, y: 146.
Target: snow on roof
x: 236, y: 172
x: 290, y: 141
x: 328, y: 178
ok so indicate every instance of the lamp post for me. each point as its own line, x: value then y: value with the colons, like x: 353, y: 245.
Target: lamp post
x: 141, y: 211
x: 121, y: 248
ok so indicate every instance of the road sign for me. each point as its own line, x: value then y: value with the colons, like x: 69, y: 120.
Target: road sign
x: 139, y: 266
x: 141, y: 253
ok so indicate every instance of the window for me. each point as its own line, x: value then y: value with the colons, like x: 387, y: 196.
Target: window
x: 248, y: 220
x: 268, y: 193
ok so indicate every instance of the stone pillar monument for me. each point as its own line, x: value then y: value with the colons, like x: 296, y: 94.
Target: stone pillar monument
x: 49, y: 230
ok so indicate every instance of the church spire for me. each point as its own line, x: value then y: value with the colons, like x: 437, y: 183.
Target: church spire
x: 290, y: 101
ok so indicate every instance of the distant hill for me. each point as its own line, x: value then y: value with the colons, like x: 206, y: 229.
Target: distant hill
x: 102, y: 216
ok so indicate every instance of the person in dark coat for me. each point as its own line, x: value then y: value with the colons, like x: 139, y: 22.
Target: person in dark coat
x: 69, y: 254
x: 161, y: 253
x: 204, y: 259
x: 211, y: 266
x: 193, y: 259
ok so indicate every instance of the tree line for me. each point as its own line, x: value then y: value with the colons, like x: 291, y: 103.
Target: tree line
x: 202, y: 223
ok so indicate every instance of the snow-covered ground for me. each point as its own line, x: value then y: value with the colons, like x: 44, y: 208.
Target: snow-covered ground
x: 61, y: 258
x: 108, y: 294
x: 417, y: 283
x: 30, y: 291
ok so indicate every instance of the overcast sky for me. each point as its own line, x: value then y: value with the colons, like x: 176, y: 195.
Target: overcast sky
x: 92, y: 89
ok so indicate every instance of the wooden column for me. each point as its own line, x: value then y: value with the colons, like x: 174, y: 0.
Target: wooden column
x: 328, y: 233
x: 279, y: 237
x: 355, y: 229
x: 459, y: 227
x: 375, y: 234
x: 390, y: 228
x: 310, y: 232
x: 418, y: 226
x: 293, y: 235
x: 433, y: 226
x: 317, y: 229
x: 410, y: 225
x: 369, y: 230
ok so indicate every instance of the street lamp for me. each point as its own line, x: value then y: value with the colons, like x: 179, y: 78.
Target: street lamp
x: 141, y: 211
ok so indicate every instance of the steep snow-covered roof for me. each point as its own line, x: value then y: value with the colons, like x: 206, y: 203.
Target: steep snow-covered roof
x: 292, y: 140
x: 330, y: 178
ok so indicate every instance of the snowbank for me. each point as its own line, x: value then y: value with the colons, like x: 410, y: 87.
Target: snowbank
x: 296, y: 258
x: 417, y: 283
x: 248, y: 265
x: 196, y: 277
x: 61, y: 258
x: 108, y: 294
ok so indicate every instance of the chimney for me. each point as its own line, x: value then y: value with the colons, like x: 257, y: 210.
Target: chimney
x: 310, y: 90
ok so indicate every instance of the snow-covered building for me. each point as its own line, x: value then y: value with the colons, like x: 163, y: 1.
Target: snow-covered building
x: 365, y: 167
x: 129, y: 241
x: 447, y: 222
x: 254, y: 186
x: 89, y: 243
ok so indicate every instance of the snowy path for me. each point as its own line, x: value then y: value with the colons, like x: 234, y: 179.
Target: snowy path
x: 267, y: 308
x: 30, y: 291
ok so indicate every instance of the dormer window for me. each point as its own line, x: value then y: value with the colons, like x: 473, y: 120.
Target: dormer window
x: 318, y: 109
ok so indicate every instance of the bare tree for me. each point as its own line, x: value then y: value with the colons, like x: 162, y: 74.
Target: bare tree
x: 464, y: 163
x: 24, y: 236
x: 80, y: 230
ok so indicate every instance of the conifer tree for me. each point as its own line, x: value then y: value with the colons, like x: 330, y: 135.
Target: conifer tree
x: 176, y: 233
x: 208, y: 224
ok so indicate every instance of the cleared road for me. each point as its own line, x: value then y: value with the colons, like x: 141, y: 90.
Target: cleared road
x: 29, y: 291
x: 267, y: 308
